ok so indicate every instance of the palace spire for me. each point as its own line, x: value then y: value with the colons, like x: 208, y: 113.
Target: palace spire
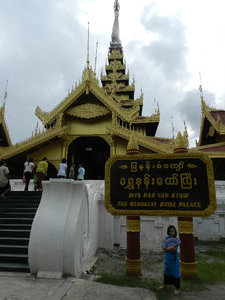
x: 115, y: 37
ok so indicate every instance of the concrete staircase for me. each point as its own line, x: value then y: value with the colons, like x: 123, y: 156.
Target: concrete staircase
x: 17, y: 212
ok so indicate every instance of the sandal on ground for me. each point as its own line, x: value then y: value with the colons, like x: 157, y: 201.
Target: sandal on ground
x: 176, y: 292
x: 3, y: 197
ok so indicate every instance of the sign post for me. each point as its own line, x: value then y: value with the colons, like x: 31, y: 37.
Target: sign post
x: 186, y: 232
x: 133, y: 260
x: 178, y: 184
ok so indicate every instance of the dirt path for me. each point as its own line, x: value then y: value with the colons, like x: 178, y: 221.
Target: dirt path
x: 216, y: 292
x: 152, y: 267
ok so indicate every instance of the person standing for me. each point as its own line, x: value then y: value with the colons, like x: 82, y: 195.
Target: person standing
x: 72, y: 172
x: 28, y: 172
x: 41, y: 172
x: 171, y: 260
x: 4, y: 179
x: 81, y: 172
x: 62, y: 169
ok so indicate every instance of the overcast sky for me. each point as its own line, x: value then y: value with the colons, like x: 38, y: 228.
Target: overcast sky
x: 166, y: 44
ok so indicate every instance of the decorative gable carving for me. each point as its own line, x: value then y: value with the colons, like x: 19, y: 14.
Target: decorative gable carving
x: 87, y: 111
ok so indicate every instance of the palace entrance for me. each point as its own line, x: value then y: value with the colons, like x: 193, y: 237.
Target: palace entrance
x: 92, y: 152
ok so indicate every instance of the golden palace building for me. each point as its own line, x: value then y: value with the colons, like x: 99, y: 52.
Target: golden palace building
x: 92, y: 123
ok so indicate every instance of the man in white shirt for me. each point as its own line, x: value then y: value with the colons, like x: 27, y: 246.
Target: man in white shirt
x: 4, y: 179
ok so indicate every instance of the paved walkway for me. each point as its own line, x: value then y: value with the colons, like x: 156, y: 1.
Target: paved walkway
x: 20, y: 286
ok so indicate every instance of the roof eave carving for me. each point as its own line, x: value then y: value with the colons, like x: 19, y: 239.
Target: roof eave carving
x: 216, y: 124
x: 151, y: 143
x: 35, y: 140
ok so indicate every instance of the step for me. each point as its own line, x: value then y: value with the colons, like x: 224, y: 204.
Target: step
x: 19, y: 200
x: 13, y: 258
x: 17, y: 215
x: 14, y: 240
x: 17, y: 212
x: 14, y: 233
x: 18, y: 209
x: 14, y: 267
x: 19, y: 197
x: 13, y: 249
x: 19, y: 204
x: 13, y: 193
x: 16, y: 220
x: 22, y: 194
x: 15, y: 226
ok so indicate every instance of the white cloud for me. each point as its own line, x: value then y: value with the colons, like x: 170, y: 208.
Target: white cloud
x: 166, y: 44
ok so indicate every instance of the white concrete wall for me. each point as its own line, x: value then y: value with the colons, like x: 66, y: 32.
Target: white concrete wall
x: 213, y: 227
x: 72, y: 222
x: 153, y: 229
x: 18, y: 185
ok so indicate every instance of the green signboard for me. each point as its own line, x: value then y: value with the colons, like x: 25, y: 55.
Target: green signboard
x: 160, y: 185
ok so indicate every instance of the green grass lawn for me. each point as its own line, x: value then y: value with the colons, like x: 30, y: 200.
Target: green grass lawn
x: 210, y: 270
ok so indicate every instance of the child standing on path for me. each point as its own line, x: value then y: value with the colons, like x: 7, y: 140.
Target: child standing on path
x: 171, y: 260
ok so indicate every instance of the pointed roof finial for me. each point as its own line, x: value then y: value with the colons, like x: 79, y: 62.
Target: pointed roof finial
x: 5, y: 94
x: 132, y: 146
x: 172, y: 126
x: 200, y: 87
x: 115, y: 42
x: 186, y: 135
x: 180, y: 145
x: 96, y: 57
x: 88, y: 62
x: 201, y: 92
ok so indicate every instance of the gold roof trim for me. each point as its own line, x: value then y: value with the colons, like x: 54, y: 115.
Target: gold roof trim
x: 148, y: 142
x: 35, y: 140
x: 89, y: 84
x: 48, y: 117
x: 115, y: 54
x: 211, y: 154
x: 125, y: 114
x: 122, y: 77
x: 155, y: 118
x: 4, y: 125
x: 209, y: 146
x: 130, y: 102
x: 115, y: 66
x: 217, y: 124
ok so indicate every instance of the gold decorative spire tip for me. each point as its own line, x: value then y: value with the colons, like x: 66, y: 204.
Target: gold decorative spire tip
x: 180, y: 142
x: 132, y: 144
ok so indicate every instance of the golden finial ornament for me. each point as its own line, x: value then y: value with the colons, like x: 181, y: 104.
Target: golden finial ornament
x: 172, y: 126
x: 96, y: 57
x: 180, y: 144
x: 132, y: 146
x: 5, y: 94
x: 186, y: 135
x: 88, y: 62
